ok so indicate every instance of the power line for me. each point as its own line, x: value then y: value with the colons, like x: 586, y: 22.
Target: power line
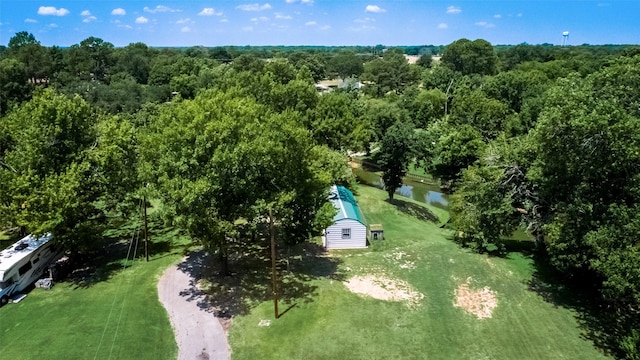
x: 136, y: 232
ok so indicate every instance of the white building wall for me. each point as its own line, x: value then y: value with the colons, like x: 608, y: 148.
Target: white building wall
x: 333, y: 235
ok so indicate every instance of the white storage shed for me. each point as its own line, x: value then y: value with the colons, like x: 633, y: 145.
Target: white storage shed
x: 348, y: 230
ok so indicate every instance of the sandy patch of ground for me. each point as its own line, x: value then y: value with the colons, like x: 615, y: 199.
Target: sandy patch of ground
x: 412, y: 59
x: 383, y: 288
x: 402, y: 258
x: 490, y: 263
x: 479, y: 302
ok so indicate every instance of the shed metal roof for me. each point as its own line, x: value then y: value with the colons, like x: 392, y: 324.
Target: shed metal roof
x: 343, y: 200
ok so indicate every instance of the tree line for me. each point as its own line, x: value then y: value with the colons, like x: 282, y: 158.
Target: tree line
x: 538, y: 137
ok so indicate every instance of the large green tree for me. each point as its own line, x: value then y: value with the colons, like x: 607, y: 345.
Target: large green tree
x: 52, y: 180
x: 13, y: 84
x: 389, y: 73
x: 487, y: 116
x: 470, y: 57
x: 346, y: 64
x: 576, y: 184
x: 221, y: 157
x: 337, y: 122
x: 397, y: 149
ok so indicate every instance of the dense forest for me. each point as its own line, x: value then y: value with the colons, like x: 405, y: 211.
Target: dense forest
x: 538, y: 137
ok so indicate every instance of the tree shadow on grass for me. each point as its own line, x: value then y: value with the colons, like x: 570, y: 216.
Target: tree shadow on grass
x: 599, y: 321
x: 525, y: 247
x: 415, y: 210
x: 91, y: 267
x: 250, y: 285
x: 116, y: 250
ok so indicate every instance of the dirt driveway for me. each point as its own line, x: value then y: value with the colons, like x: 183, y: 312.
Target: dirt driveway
x: 198, y: 332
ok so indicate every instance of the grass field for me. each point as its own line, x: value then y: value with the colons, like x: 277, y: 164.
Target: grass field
x: 334, y: 323
x: 106, y: 312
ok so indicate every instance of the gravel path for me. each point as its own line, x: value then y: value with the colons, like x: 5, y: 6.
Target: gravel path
x: 198, y: 332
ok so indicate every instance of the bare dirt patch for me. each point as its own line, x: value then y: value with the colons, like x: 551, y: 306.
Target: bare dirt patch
x: 383, y: 288
x: 479, y: 302
x: 402, y: 259
x: 490, y: 263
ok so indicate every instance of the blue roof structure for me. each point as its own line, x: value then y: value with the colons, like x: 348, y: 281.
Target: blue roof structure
x: 346, y: 204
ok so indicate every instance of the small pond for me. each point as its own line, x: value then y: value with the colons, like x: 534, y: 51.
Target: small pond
x: 420, y: 191
x: 425, y: 192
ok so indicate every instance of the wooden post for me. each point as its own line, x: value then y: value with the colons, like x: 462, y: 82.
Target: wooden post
x: 273, y: 265
x: 146, y: 233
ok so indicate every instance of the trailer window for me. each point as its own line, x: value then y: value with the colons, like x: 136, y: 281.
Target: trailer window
x: 346, y: 233
x: 4, y: 284
x: 24, y: 268
x: 35, y: 260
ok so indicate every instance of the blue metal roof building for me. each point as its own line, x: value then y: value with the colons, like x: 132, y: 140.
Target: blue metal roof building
x: 343, y: 200
x: 348, y: 230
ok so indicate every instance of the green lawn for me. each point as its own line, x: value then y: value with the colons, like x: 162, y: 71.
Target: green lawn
x: 117, y: 316
x: 338, y: 324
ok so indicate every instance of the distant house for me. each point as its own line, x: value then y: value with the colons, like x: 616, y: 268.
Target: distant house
x: 350, y: 84
x: 348, y: 230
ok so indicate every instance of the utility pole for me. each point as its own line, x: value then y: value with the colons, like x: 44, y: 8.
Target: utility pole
x: 146, y: 233
x: 273, y: 264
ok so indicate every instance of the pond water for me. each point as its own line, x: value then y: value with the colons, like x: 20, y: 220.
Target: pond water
x: 425, y: 192
x: 421, y: 191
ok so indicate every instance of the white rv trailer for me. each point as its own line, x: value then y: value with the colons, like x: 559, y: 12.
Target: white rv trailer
x: 23, y: 263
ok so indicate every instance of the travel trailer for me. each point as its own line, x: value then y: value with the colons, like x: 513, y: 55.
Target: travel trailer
x: 23, y: 263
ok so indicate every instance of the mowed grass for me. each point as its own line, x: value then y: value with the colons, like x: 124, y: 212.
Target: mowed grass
x: 339, y: 324
x: 115, y: 318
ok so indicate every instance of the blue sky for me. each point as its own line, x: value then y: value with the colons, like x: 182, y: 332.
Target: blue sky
x: 321, y: 22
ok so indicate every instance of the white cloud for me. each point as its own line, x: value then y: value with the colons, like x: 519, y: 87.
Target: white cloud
x: 362, y: 28
x: 254, y: 7
x: 443, y: 26
x: 497, y: 16
x: 311, y: 23
x: 290, y: 1
x: 283, y: 16
x: 209, y: 12
x: 309, y: 2
x: 118, y: 11
x: 224, y: 20
x: 365, y: 20
x: 185, y: 29
x: 89, y: 19
x: 247, y: 28
x: 52, y: 25
x: 85, y: 13
x: 50, y: 10
x: 183, y: 21
x: 141, y: 20
x: 126, y: 26
x: 325, y: 27
x: 454, y: 10
x: 374, y: 9
x: 159, y: 8
x: 519, y: 15
x: 32, y: 21
x: 485, y: 24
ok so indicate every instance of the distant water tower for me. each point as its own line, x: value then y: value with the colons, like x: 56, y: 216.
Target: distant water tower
x: 565, y: 36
